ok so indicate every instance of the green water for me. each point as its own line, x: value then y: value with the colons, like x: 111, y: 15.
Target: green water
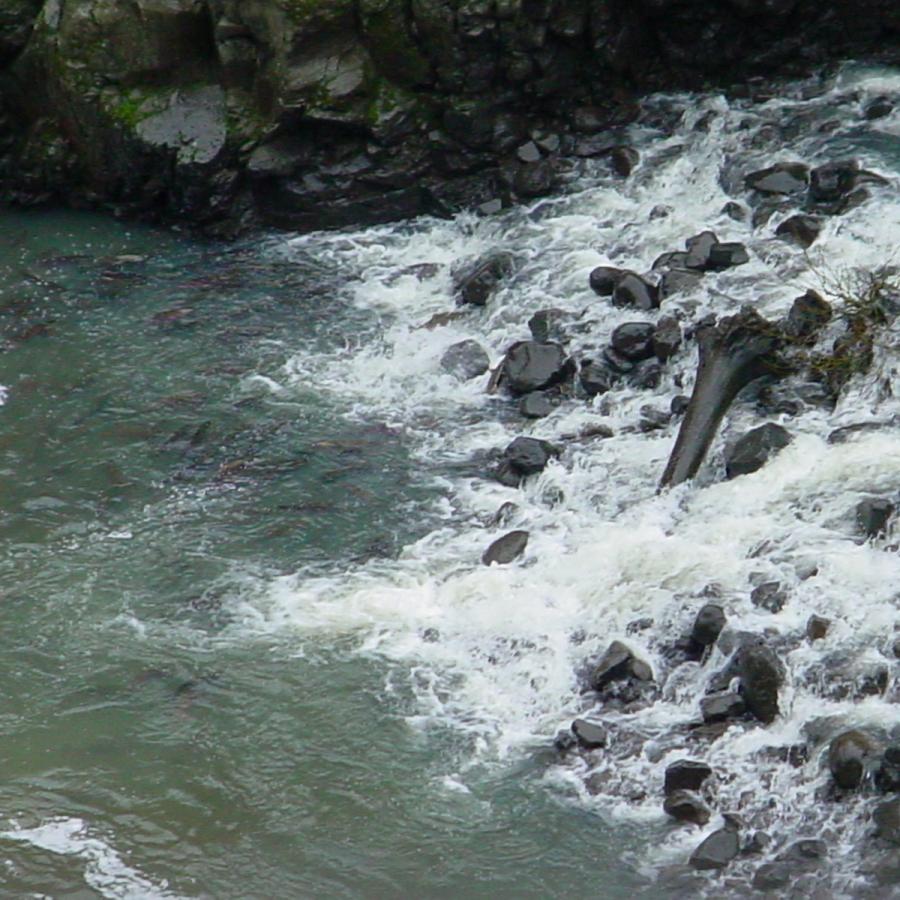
x: 152, y: 480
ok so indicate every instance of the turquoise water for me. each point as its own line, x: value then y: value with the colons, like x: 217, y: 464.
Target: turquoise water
x: 152, y: 481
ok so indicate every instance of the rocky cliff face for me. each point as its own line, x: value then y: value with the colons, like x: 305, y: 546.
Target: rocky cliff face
x: 317, y: 113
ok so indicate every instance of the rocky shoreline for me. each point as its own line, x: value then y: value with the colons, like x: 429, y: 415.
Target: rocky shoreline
x: 226, y: 115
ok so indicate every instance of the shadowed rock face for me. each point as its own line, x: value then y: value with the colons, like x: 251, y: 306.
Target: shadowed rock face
x: 733, y: 352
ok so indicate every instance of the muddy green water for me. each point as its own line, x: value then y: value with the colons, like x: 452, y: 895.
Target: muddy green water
x: 152, y: 743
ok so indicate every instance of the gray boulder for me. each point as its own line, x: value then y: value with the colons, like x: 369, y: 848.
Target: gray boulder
x: 531, y: 365
x: 752, y: 450
x: 465, y: 360
x: 505, y: 549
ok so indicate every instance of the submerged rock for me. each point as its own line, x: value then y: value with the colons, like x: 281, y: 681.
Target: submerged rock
x: 888, y: 775
x: 475, y: 283
x: 465, y: 360
x: 624, y: 160
x: 817, y: 627
x: 505, y: 549
x: 535, y: 405
x: 848, y: 754
x: 678, y: 281
x: 769, y: 596
x: 887, y: 821
x: 873, y: 516
x: 801, y: 230
x: 596, y: 377
x: 752, y: 450
x: 686, y: 806
x: 782, y: 178
x: 722, y: 706
x: 548, y: 325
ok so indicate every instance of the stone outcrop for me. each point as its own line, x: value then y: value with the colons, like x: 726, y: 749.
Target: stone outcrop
x: 316, y: 113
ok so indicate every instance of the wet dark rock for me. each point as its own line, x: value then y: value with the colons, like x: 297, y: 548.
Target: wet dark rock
x: 817, y: 627
x: 718, y: 849
x: 846, y: 432
x: 887, y: 821
x: 807, y: 315
x: 772, y: 876
x: 679, y: 404
x: 752, y: 450
x: 833, y: 181
x: 632, y: 290
x: 619, y: 364
x: 603, y: 279
x: 678, y: 281
x: 549, y: 325
x: 708, y: 625
x: 589, y: 734
x: 624, y: 160
x: 535, y: 179
x: 535, y: 405
x: 761, y: 676
x: 619, y: 662
x: 646, y: 375
x: 564, y: 741
x: 782, y: 178
x: 686, y: 775
x: 758, y: 842
x: 633, y: 340
x: 873, y: 516
x: 653, y: 419
x: 667, y: 338
x: 466, y: 359
x: 769, y: 596
x: 721, y: 706
x: 804, y: 852
x: 475, y: 283
x: 699, y: 248
x: 528, y: 456
x: 735, y: 211
x: 505, y: 549
x: 801, y: 230
x: 878, y: 108
x: 686, y: 807
x: 675, y: 259
x: 887, y: 778
x: 596, y: 378
x: 848, y: 755
x: 727, y: 255
x: 732, y: 353
x: 531, y: 365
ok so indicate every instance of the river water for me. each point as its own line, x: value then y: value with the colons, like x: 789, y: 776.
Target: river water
x: 249, y: 647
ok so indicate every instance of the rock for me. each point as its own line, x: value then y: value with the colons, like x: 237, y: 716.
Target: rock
x: 564, y: 741
x: 616, y: 362
x: 673, y: 260
x: 817, y: 627
x: 801, y: 230
x: 873, y: 516
x: 887, y: 778
x: 727, y: 255
x: 753, y: 450
x: 528, y: 152
x: 535, y: 179
x: 833, y: 181
x: 548, y: 325
x: 666, y: 338
x: 761, y: 675
x: 699, y: 248
x: 528, y: 456
x: 808, y: 314
x: 686, y: 807
x: 632, y: 290
x: 769, y: 596
x: 758, y: 842
x: 848, y: 754
x: 686, y: 775
x: 505, y: 549
x: 717, y: 850
x: 624, y: 160
x: 772, y: 876
x: 646, y: 375
x: 708, y: 625
x: 531, y: 365
x: 596, y: 378
x: 678, y: 281
x: 475, y: 283
x: 466, y: 359
x: 804, y: 852
x: 721, y: 706
x: 878, y: 108
x: 887, y: 821
x: 679, y: 404
x: 589, y: 734
x: 782, y: 178
x: 735, y: 211
x: 633, y: 340
x: 603, y: 279
x: 535, y: 405
x: 618, y: 662
x: 653, y: 419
